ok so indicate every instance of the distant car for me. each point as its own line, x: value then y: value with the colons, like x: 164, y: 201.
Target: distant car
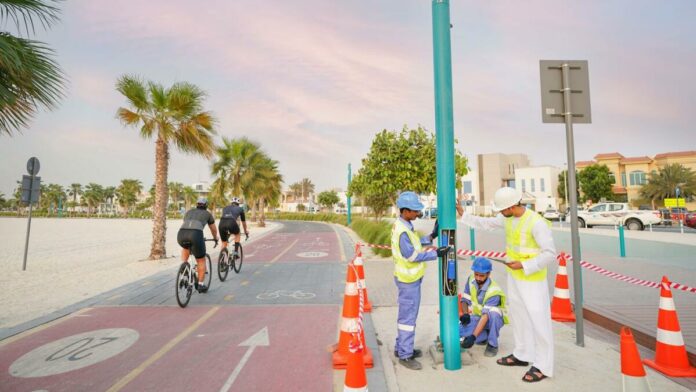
x: 551, y: 214
x: 690, y: 220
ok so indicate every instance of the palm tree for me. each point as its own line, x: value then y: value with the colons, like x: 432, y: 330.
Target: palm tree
x: 172, y: 116
x: 75, y: 191
x: 266, y: 189
x: 296, y: 190
x: 176, y: 190
x: 663, y: 183
x: 190, y: 196
x: 29, y: 77
x: 93, y: 195
x: 236, y: 160
x: 127, y: 193
x: 109, y: 194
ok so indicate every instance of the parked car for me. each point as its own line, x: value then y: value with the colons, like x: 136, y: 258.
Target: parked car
x: 551, y: 214
x: 690, y: 220
x: 617, y: 214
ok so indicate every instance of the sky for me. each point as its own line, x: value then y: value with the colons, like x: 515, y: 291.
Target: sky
x: 313, y: 81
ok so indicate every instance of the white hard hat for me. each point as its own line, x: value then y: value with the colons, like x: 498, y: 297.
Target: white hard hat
x: 506, y: 197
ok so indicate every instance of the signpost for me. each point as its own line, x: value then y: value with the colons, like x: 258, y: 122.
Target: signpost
x: 565, y: 98
x: 446, y: 201
x: 31, y: 185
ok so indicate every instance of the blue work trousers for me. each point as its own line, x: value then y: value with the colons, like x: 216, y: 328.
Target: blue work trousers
x: 490, y: 332
x: 409, y: 302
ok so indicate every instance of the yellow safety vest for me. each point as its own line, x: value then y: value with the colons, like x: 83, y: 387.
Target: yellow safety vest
x: 493, y: 290
x: 521, y: 245
x: 405, y: 269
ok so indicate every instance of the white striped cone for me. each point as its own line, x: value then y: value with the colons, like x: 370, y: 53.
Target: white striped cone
x: 670, y: 352
x: 358, y: 261
x: 561, y: 309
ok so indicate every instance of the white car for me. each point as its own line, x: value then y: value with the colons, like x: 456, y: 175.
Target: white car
x: 551, y: 214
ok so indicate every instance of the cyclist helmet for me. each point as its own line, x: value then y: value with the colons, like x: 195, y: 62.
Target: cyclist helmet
x: 235, y: 200
x: 202, y: 202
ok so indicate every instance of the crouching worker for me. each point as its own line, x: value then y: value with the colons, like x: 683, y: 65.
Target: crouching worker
x: 484, y: 313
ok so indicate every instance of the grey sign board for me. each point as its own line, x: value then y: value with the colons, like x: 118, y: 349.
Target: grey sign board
x: 552, y: 106
x: 30, y: 189
x: 33, y: 166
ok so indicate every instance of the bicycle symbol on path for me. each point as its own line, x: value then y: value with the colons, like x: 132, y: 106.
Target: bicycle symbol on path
x: 297, y: 294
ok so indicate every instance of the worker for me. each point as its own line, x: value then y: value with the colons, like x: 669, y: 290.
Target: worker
x: 483, y: 309
x: 530, y: 249
x: 408, y: 254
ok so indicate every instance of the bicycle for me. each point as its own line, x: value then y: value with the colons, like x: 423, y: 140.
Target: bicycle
x: 236, y: 262
x: 187, y: 278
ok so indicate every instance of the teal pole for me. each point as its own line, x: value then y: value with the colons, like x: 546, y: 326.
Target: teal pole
x: 348, y: 197
x: 622, y: 241
x: 444, y: 143
x: 472, y: 238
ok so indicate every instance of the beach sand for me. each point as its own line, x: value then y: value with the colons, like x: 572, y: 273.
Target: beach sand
x: 70, y: 260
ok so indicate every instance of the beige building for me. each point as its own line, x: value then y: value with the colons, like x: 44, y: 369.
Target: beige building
x: 495, y: 171
x: 630, y: 174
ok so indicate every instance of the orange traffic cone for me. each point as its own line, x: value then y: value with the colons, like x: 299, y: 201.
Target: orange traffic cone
x: 356, y: 379
x: 633, y: 374
x: 349, y: 323
x: 670, y: 352
x: 358, y: 261
x: 561, y: 309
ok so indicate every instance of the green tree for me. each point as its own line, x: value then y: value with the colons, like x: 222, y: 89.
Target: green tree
x: 29, y: 76
x: 74, y: 191
x: 399, y: 161
x: 127, y: 193
x: 93, y: 196
x: 266, y: 190
x: 176, y: 194
x: 3, y: 201
x: 596, y: 182
x: 663, y: 183
x: 189, y: 195
x: 173, y: 116
x: 328, y: 199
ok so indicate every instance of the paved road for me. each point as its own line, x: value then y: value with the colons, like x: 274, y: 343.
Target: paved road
x: 266, y: 328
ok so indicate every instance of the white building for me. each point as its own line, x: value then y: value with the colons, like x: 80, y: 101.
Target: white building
x: 539, y: 186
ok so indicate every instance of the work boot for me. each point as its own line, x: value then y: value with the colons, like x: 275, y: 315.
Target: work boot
x: 490, y: 351
x: 411, y: 363
x: 416, y: 353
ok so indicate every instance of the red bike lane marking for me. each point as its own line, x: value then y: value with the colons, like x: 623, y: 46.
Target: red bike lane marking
x: 295, y: 358
x: 155, y: 329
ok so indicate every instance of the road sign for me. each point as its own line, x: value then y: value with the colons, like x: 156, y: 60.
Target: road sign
x: 552, y: 88
x: 31, y: 186
x: 33, y: 166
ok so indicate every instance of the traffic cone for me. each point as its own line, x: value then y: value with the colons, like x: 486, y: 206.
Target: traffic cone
x: 561, y: 310
x: 356, y: 379
x: 349, y: 324
x: 670, y: 352
x: 633, y: 374
x: 358, y: 261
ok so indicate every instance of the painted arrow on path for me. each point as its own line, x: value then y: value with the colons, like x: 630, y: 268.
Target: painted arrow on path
x: 260, y: 338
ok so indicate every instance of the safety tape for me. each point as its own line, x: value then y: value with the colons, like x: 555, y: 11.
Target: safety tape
x: 583, y: 263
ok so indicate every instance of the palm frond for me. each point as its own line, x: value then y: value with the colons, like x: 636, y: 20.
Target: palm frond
x: 23, y: 13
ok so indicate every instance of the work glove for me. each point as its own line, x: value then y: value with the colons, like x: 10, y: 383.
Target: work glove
x: 468, y: 341
x: 434, y: 234
x: 465, y: 319
x: 442, y: 251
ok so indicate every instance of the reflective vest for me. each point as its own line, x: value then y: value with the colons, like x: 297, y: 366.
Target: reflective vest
x: 521, y: 245
x: 493, y: 290
x: 406, y: 270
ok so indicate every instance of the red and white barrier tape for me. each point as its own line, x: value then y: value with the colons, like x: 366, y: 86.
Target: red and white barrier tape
x: 583, y: 263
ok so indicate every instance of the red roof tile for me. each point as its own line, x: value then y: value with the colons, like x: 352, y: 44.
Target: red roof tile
x: 608, y: 156
x: 584, y: 163
x: 675, y: 154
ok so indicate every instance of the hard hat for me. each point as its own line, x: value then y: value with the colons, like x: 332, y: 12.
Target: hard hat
x: 409, y: 200
x: 506, y: 197
x: 235, y: 200
x: 481, y: 265
x: 202, y: 201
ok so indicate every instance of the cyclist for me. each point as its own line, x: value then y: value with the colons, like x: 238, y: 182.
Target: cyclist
x: 229, y: 225
x: 190, y: 237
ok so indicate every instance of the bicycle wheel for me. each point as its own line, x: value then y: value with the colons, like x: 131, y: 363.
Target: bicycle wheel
x: 223, y: 265
x: 208, y: 278
x: 237, y: 263
x: 183, y: 285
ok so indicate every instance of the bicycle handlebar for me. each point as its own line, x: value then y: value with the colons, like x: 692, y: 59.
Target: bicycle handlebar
x: 212, y: 240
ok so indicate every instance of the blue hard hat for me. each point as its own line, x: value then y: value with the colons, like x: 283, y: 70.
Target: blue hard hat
x: 409, y: 200
x: 481, y: 265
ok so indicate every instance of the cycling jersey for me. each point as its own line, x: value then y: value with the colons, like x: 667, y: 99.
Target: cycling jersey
x: 233, y: 212
x: 197, y: 219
